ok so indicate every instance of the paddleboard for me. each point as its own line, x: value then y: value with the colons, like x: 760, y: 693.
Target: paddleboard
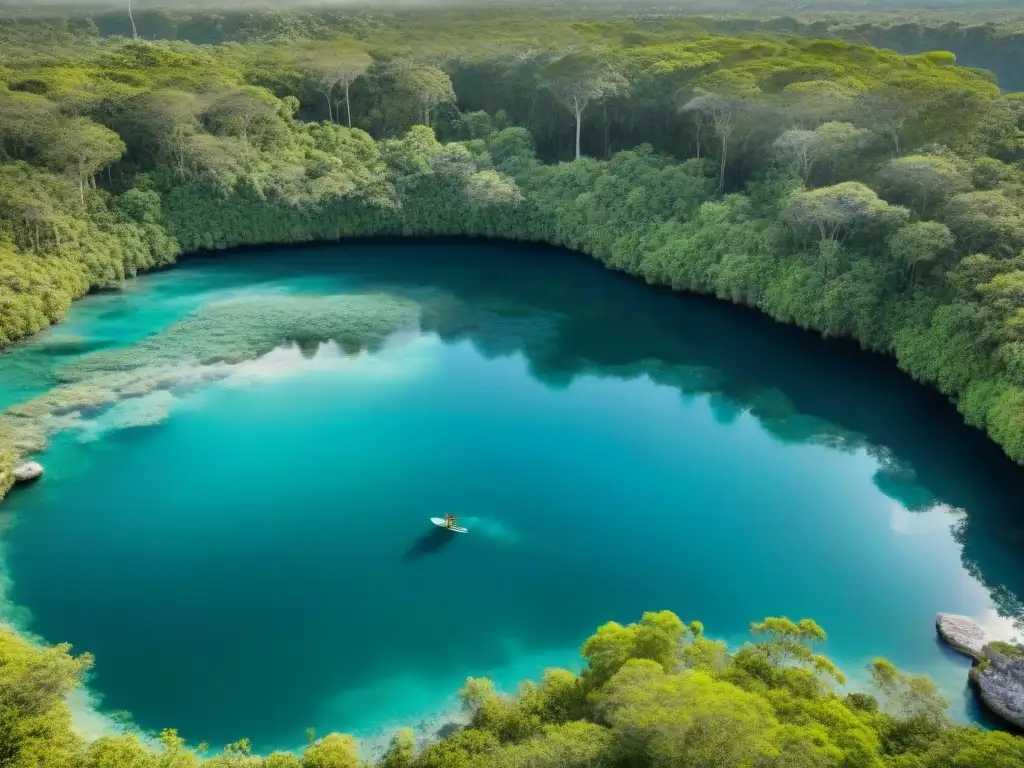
x: 439, y: 522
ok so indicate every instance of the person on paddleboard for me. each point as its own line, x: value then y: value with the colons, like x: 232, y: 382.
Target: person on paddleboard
x: 449, y: 520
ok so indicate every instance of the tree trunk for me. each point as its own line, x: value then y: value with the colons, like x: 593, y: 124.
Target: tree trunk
x: 348, y: 106
x: 135, y: 32
x: 894, y: 132
x: 330, y: 112
x: 808, y: 164
x: 607, y: 144
x: 721, y: 170
x: 579, y: 127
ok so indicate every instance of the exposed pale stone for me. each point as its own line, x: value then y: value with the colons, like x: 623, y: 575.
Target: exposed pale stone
x: 30, y: 470
x: 962, y: 633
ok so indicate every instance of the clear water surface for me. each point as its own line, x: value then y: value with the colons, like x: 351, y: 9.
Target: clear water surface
x: 261, y: 561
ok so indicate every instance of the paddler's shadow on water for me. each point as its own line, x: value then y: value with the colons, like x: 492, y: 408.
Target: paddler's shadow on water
x: 429, y: 543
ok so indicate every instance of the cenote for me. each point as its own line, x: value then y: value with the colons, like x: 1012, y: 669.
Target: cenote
x: 245, y: 547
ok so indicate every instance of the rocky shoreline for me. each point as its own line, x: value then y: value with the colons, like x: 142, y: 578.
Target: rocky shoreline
x: 998, y: 671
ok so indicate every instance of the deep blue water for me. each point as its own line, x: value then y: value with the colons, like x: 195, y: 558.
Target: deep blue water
x: 261, y: 561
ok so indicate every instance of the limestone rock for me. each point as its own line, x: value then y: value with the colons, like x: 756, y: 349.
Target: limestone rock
x: 1000, y: 681
x: 30, y: 470
x: 962, y: 633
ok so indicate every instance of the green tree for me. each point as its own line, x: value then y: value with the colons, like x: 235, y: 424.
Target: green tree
x: 569, y: 745
x: 724, y: 100
x: 401, y: 752
x: 921, y: 243
x: 489, y: 188
x: 577, y: 80
x: 334, y: 750
x: 26, y: 121
x: 248, y: 113
x: 334, y: 69
x: 921, y: 182
x: 986, y: 221
x: 287, y: 760
x: 120, y: 752
x: 157, y: 126
x: 81, y: 148
x: 35, y: 722
x: 838, y: 147
x: 429, y: 86
x: 663, y: 720
x: 837, y: 211
x: 799, y: 149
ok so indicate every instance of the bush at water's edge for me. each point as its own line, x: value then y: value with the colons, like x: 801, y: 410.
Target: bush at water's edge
x: 655, y: 693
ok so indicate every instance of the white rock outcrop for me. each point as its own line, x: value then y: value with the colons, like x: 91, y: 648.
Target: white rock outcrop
x: 962, y: 633
x: 30, y: 470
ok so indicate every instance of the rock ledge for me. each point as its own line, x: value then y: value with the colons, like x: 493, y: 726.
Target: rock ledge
x: 962, y: 633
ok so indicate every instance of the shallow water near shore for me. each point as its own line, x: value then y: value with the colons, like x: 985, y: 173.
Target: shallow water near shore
x: 250, y: 554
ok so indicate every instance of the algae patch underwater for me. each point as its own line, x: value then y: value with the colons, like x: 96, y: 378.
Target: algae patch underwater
x: 203, y: 347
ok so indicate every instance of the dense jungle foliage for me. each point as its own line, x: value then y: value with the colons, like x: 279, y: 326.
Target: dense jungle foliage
x: 840, y: 187
x: 656, y: 693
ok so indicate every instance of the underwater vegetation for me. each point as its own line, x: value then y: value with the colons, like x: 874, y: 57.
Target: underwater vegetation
x: 201, y: 348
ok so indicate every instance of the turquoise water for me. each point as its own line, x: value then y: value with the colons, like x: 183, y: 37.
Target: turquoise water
x: 258, y: 559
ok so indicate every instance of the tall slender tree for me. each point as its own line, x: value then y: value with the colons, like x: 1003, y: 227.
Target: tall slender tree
x: 135, y: 32
x: 578, y: 79
x: 725, y: 100
x: 332, y: 70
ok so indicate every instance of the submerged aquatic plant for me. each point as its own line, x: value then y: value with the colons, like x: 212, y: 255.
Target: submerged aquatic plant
x: 201, y: 348
x: 244, y: 329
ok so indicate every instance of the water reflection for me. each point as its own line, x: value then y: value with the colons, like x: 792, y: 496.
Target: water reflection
x: 570, y: 317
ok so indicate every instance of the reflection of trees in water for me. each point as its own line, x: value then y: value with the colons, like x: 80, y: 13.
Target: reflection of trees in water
x: 569, y: 317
